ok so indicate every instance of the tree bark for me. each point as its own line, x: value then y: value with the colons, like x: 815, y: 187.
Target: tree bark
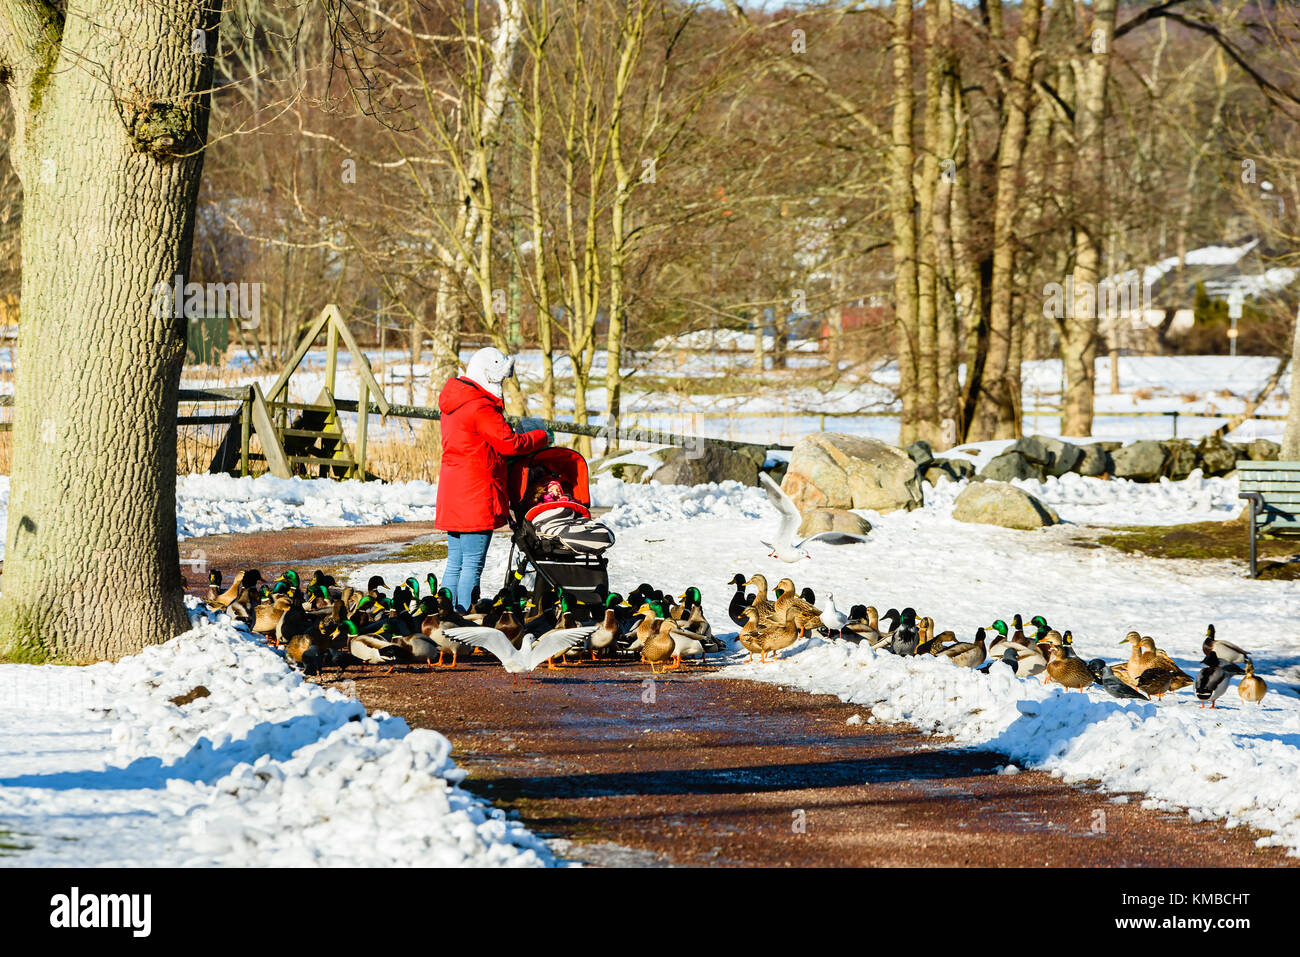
x: 111, y: 112
x: 902, y: 202
x: 996, y: 407
x: 1079, y: 333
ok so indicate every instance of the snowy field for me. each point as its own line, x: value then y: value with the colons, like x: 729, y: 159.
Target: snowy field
x: 99, y: 768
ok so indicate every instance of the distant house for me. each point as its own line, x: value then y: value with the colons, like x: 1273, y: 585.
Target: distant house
x: 1160, y: 299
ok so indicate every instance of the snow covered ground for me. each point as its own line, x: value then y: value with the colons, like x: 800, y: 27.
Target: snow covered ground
x: 99, y: 768
x: 96, y: 765
x: 1237, y: 763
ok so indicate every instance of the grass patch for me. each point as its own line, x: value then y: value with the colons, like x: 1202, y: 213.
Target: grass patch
x: 10, y: 844
x: 420, y: 552
x: 1206, y: 540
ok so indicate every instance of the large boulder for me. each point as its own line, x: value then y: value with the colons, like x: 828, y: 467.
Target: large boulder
x: 1217, y: 456
x: 997, y: 503
x: 1055, y: 455
x: 1142, y: 461
x: 712, y: 463
x: 834, y: 470
x: 1262, y: 450
x: 1094, y: 461
x: 1013, y: 465
x: 832, y: 520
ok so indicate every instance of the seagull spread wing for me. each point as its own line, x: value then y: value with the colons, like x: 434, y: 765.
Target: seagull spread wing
x: 833, y: 538
x: 489, y: 639
x: 554, y: 642
x: 790, y: 517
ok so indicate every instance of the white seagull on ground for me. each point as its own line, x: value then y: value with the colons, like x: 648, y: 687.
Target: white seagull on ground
x: 518, y: 661
x: 786, y: 548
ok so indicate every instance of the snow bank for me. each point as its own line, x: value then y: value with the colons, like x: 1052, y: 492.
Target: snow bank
x: 102, y: 768
x: 635, y: 505
x: 215, y: 504
x: 1091, y: 501
x: 1237, y: 764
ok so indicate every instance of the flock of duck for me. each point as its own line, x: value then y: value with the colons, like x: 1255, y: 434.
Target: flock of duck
x: 323, y: 625
x: 768, y: 626
x: 320, y: 624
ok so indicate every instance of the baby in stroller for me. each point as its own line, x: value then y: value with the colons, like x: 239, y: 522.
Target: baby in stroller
x: 555, y: 514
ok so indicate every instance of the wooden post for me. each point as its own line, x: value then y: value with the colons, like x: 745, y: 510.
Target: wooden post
x: 331, y: 357
x: 363, y: 421
x: 245, y: 431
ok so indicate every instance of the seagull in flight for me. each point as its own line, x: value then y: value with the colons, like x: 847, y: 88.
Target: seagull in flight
x: 786, y: 548
x: 518, y: 661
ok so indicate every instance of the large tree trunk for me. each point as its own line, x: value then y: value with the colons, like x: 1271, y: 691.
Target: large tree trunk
x: 111, y: 117
x: 1079, y: 334
x: 902, y: 201
x: 996, y: 415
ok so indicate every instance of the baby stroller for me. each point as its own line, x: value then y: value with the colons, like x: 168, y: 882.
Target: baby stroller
x: 556, y: 544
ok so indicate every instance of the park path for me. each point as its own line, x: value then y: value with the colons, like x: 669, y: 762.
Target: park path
x: 689, y: 769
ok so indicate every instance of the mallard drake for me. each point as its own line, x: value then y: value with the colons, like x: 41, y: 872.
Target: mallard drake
x: 739, y: 601
x: 999, y: 645
x: 431, y: 627
x: 1212, y: 681
x: 1225, y: 651
x: 1115, y: 686
x: 213, y: 593
x: 1030, y: 662
x: 967, y: 654
x: 864, y: 625
x: 605, y: 634
x: 904, y: 640
x: 1070, y: 672
x: 1252, y: 687
x: 375, y: 589
x: 686, y: 644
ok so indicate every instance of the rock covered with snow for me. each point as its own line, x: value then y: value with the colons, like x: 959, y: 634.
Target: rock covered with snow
x: 1000, y: 503
x: 1142, y: 461
x: 835, y: 470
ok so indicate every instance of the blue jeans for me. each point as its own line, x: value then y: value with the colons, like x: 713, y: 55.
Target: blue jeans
x: 466, y: 552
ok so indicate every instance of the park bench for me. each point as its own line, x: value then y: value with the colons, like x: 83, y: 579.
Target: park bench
x: 1273, y: 491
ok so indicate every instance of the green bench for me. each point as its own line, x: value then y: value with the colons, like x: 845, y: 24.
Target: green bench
x: 1273, y: 491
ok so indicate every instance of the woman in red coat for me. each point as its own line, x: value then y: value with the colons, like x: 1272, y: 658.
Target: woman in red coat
x: 476, y: 439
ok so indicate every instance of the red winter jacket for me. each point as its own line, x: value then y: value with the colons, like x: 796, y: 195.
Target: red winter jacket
x: 475, y: 441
